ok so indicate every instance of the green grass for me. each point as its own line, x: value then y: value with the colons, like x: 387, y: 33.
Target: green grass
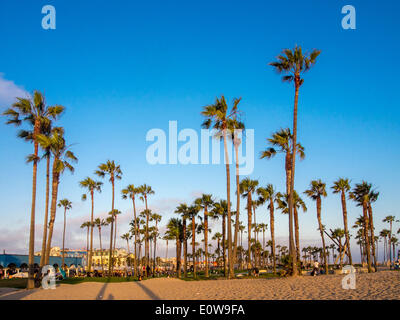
x: 13, y: 283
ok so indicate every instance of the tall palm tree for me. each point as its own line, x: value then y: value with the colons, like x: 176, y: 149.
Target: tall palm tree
x: 46, y: 130
x: 218, y: 116
x: 281, y: 142
x: 372, y: 197
x: 316, y: 191
x: 360, y: 194
x: 293, y: 63
x: 67, y: 206
x: 113, y: 171
x: 390, y: 219
x: 193, y: 211
x: 282, y: 200
x: 183, y: 210
x: 145, y: 191
x: 342, y: 186
x: 62, y: 158
x: 87, y: 225
x: 156, y: 218
x: 235, y: 126
x: 247, y: 187
x: 205, y: 202
x: 130, y: 192
x: 175, y: 229
x: 34, y: 112
x: 99, y: 223
x: 91, y: 187
x: 268, y: 195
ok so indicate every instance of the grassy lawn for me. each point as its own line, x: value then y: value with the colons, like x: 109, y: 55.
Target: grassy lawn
x: 13, y: 283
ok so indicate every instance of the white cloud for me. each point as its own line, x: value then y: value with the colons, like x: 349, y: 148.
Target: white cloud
x: 9, y: 91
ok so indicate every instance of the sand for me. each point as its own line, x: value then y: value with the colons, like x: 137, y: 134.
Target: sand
x: 376, y: 286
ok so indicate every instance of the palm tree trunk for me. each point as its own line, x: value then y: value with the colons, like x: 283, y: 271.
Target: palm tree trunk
x: 31, y: 259
x: 53, y: 208
x: 235, y: 240
x: 135, y: 226
x: 224, y: 242
x: 346, y: 229
x: 272, y: 223
x: 87, y: 246
x: 206, y: 240
x: 371, y: 229
x: 146, y: 243
x: 91, y: 233
x: 101, y: 253
x: 292, y: 167
x: 111, y: 253
x: 178, y: 258
x: 194, y: 246
x: 296, y: 233
x: 184, y: 249
x: 228, y: 199
x: 249, y: 231
x: 322, y: 234
x: 46, y: 212
x: 63, y: 250
x: 366, y: 236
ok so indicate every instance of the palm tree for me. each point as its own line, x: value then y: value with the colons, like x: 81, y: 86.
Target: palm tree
x: 235, y: 126
x: 87, y: 225
x: 91, y: 187
x: 220, y: 209
x: 175, y: 229
x: 247, y: 187
x: 46, y: 130
x: 360, y: 195
x: 67, y: 206
x: 293, y: 63
x: 193, y: 211
x: 35, y: 113
x: 111, y: 169
x: 99, y: 223
x: 390, y: 219
x: 281, y: 143
x: 129, y: 192
x: 157, y: 218
x: 127, y: 236
x: 372, y: 197
x: 62, y: 157
x: 219, y: 118
x: 394, y: 242
x: 342, y: 185
x: 145, y: 191
x: 205, y: 202
x: 183, y: 210
x: 282, y: 201
x: 384, y: 234
x: 316, y: 191
x: 217, y: 237
x: 268, y: 194
x: 338, y: 234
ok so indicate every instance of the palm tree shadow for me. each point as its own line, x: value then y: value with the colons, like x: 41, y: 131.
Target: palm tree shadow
x: 100, y: 295
x: 150, y: 293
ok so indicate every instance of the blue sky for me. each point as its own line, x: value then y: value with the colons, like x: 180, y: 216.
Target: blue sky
x: 122, y: 68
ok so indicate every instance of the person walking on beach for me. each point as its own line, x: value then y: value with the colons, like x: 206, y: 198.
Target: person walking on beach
x: 316, y: 268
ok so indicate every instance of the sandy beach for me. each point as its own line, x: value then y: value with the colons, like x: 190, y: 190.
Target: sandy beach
x: 376, y: 286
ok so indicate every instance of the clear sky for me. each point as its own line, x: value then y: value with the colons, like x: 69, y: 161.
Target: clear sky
x: 122, y: 68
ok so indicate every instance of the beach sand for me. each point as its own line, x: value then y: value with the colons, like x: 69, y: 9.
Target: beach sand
x: 374, y: 286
